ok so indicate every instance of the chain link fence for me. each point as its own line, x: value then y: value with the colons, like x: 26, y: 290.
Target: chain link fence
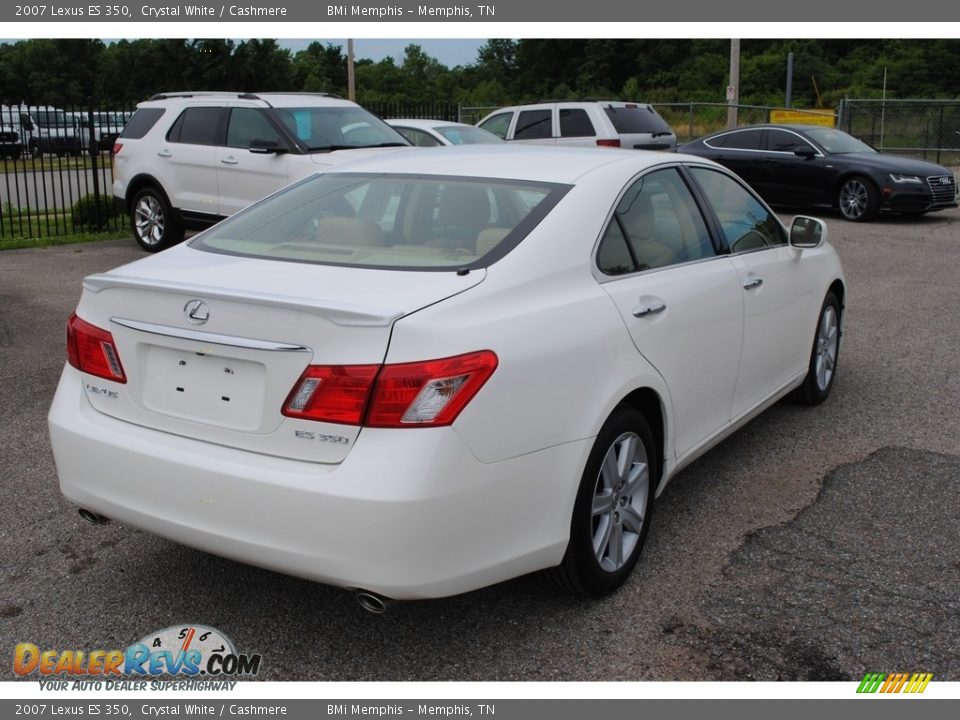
x: 922, y: 128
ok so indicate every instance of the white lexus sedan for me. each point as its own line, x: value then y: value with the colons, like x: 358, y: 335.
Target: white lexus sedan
x: 431, y: 371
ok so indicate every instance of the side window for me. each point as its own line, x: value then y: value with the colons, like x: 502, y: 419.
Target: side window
x: 196, y: 126
x: 418, y: 137
x: 140, y: 124
x: 783, y: 141
x: 661, y: 223
x: 247, y: 125
x: 613, y: 255
x: 498, y: 124
x: 746, y: 223
x: 739, y: 140
x: 533, y: 125
x: 575, y: 123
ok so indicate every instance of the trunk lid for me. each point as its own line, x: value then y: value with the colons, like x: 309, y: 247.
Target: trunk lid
x: 212, y: 345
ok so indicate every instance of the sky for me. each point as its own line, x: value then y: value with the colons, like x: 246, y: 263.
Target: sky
x: 449, y: 52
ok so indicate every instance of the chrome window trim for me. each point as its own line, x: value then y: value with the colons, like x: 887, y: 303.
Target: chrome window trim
x: 600, y: 276
x: 815, y: 149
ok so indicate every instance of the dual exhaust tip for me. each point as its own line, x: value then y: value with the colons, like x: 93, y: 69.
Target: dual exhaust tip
x: 370, y: 601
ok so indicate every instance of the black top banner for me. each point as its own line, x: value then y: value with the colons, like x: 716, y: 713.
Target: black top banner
x: 490, y: 11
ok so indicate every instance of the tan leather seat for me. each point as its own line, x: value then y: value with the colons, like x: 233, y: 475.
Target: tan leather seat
x: 638, y: 221
x: 350, y: 231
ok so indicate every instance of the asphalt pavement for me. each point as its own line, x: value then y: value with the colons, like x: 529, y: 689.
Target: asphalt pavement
x: 816, y: 543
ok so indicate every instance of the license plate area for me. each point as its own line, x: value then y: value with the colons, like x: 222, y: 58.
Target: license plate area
x: 204, y: 387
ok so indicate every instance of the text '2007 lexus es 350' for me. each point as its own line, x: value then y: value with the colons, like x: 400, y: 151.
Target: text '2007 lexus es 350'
x: 428, y: 372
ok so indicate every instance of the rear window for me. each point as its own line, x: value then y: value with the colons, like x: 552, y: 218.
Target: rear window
x: 636, y: 119
x: 335, y: 128
x: 466, y: 135
x: 141, y: 122
x: 396, y: 222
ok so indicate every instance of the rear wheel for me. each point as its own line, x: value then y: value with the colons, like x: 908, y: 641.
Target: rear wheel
x: 152, y: 221
x: 824, y: 355
x: 613, y: 508
x: 858, y: 200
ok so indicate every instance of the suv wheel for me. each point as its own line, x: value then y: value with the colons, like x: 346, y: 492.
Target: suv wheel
x: 152, y: 220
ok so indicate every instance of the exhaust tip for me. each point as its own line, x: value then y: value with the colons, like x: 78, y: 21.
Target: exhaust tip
x: 92, y: 517
x: 371, y: 602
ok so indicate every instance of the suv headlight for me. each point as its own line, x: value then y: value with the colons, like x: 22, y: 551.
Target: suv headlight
x: 900, y: 178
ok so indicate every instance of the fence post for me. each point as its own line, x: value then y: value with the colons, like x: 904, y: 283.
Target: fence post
x: 940, y: 138
x: 690, y: 135
x: 94, y: 149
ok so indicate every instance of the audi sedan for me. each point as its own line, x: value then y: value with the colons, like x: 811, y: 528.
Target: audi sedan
x: 424, y: 373
x: 812, y: 166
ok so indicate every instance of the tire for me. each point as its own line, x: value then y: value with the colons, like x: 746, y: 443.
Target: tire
x: 823, y: 356
x: 858, y: 199
x: 154, y: 225
x: 35, y: 150
x: 612, y: 512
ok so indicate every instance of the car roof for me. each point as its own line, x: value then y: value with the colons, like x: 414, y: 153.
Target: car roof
x: 423, y: 122
x: 538, y: 163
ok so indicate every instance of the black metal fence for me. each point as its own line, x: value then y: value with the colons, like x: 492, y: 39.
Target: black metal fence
x: 923, y: 128
x: 55, y: 169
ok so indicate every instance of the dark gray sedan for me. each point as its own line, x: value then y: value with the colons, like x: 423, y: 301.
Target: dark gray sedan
x: 812, y: 166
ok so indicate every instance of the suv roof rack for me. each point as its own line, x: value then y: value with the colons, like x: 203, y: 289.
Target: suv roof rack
x: 240, y: 95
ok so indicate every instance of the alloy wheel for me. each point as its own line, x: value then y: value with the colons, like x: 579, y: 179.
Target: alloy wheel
x: 620, y: 501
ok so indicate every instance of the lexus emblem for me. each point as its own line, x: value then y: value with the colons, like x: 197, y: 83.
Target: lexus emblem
x: 196, y: 312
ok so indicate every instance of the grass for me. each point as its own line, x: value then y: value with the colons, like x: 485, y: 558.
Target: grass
x: 52, y: 162
x: 20, y: 242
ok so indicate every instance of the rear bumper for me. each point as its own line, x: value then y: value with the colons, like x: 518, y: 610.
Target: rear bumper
x: 408, y: 514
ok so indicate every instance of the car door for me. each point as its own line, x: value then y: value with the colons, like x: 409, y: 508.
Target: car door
x: 740, y: 150
x: 576, y: 128
x: 243, y: 176
x: 534, y: 124
x: 680, y: 300
x: 187, y: 159
x: 778, y: 297
x: 792, y: 178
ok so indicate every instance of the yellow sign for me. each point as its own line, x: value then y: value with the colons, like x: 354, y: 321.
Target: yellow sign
x: 827, y: 118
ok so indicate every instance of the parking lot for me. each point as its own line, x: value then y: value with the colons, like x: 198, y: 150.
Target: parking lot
x: 817, y: 543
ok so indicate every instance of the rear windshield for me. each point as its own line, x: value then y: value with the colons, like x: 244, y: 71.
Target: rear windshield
x: 141, y: 122
x: 396, y: 222
x: 467, y: 135
x: 637, y: 119
x: 336, y: 128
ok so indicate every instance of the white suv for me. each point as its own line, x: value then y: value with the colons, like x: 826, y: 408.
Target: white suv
x: 608, y: 123
x: 189, y: 159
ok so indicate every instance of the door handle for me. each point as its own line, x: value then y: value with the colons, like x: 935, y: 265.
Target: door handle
x: 229, y: 160
x: 752, y: 283
x: 646, y: 310
x: 164, y: 153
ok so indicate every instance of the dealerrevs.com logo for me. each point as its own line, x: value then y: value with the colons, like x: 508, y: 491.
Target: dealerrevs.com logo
x: 180, y: 650
x: 892, y: 683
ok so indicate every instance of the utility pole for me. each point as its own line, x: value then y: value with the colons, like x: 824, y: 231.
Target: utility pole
x: 733, y: 89
x: 351, y: 83
x: 789, y: 99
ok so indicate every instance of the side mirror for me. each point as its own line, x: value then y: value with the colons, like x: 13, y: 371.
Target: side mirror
x: 807, y: 232
x: 805, y: 151
x: 266, y: 147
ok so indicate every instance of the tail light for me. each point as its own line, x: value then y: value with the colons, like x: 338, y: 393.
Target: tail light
x: 420, y: 394
x: 335, y: 394
x: 91, y: 350
x: 117, y: 147
x: 609, y: 143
